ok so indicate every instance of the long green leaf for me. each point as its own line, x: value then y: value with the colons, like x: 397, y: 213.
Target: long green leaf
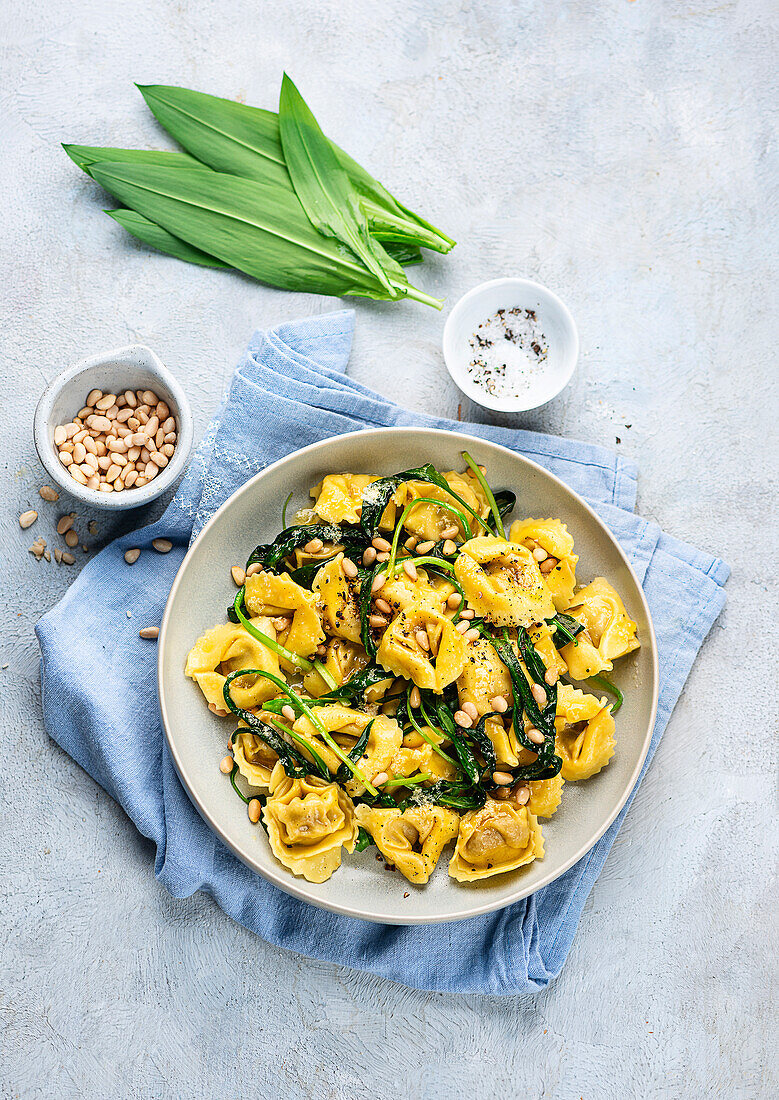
x: 323, y: 187
x: 159, y: 238
x: 244, y: 141
x: 85, y: 156
x: 256, y: 228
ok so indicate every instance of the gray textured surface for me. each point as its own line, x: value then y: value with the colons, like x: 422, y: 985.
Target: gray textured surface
x: 623, y: 153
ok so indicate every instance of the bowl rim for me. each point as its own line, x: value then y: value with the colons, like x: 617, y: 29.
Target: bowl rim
x: 482, y: 398
x: 116, y: 502
x: 285, y: 880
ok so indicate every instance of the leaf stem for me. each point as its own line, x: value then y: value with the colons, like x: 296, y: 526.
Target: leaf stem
x: 499, y: 528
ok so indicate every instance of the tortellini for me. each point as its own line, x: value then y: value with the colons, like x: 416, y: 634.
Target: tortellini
x: 421, y: 758
x: 552, y: 536
x: 254, y: 758
x: 308, y: 822
x: 412, y: 840
x: 342, y: 661
x: 228, y: 648
x: 483, y: 677
x: 433, y: 665
x: 545, y: 795
x: 497, y: 838
x: 429, y: 521
x: 608, y: 631
x: 346, y: 726
x: 338, y: 497
x: 339, y: 601
x: 278, y: 595
x: 502, y: 582
x: 585, y: 733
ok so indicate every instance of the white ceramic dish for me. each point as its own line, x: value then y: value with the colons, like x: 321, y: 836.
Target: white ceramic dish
x: 539, y: 385
x: 196, y: 738
x: 134, y: 367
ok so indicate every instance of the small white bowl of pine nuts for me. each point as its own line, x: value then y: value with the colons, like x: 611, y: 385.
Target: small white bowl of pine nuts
x: 115, y: 430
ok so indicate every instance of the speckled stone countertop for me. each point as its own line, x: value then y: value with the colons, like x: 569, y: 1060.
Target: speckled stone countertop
x: 621, y: 153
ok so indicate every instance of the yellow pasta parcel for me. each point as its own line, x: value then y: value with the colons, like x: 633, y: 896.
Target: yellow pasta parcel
x: 499, y: 837
x: 277, y: 594
x: 608, y: 632
x: 308, y: 822
x: 338, y: 497
x: 346, y: 726
x: 412, y: 840
x: 228, y: 648
x: 585, y: 733
x: 502, y: 582
x: 339, y: 602
x: 433, y: 664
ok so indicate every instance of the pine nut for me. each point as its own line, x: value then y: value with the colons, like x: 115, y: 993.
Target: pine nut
x: 381, y: 544
x: 106, y: 488
x: 105, y: 402
x: 226, y: 765
x: 136, y: 440
x: 159, y: 459
x: 254, y: 809
x: 410, y: 570
x: 103, y: 463
x: 71, y: 538
x: 67, y: 558
x: 113, y: 472
x: 57, y: 555
x: 502, y: 779
x: 377, y: 621
x: 111, y: 413
x: 170, y: 437
x: 159, y: 439
x: 124, y: 415
x: 118, y: 445
x: 150, y: 471
x: 80, y: 436
x: 130, y: 398
x: 149, y: 632
x: 415, y: 696
x: 90, y: 445
x: 522, y: 795
x: 100, y: 448
x: 167, y: 449
x: 134, y: 423
x: 27, y: 519
x: 538, y: 694
x: 162, y: 546
x: 79, y: 453
x: 369, y: 557
x: 93, y: 482
x: 380, y: 779
x: 151, y: 426
x: 281, y: 623
x: 130, y: 478
x: 47, y: 493
x: 65, y: 523
x: 425, y: 547
x: 547, y: 565
x: 471, y: 711
x: 100, y: 423
x: 238, y: 575
x: 550, y: 676
x: 288, y: 712
x: 462, y: 626
x: 144, y: 455
x: 463, y: 719
x: 540, y: 554
x: 382, y: 556
x: 383, y: 606
x: 468, y: 613
x: 378, y: 582
x: 60, y: 435
x: 349, y: 568
x: 313, y: 546
x: 499, y: 704
x: 536, y: 736
x: 121, y: 400
x: 450, y: 532
x: 133, y: 453
x: 131, y: 556
x: 93, y: 397
x: 71, y: 429
x: 150, y: 397
x: 449, y: 548
x: 471, y: 635
x: 410, y: 543
x: 169, y: 425
x: 65, y: 458
x: 454, y: 600
x: 76, y: 474
x: 422, y: 640
x: 253, y: 569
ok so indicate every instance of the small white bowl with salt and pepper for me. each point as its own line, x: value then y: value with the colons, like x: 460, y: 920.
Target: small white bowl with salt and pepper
x: 114, y: 431
x: 510, y: 345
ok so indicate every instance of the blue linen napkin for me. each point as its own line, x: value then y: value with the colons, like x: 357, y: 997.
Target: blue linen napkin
x: 288, y: 391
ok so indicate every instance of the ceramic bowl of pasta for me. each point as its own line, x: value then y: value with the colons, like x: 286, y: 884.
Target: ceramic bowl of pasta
x: 407, y: 675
